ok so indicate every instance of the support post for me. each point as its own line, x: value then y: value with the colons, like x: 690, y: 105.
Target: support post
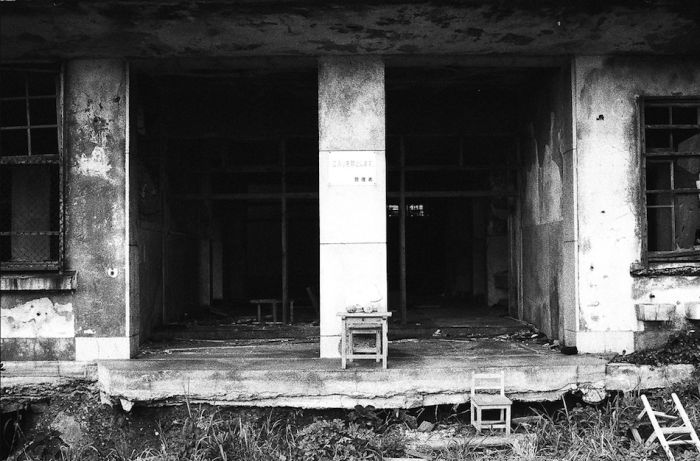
x: 283, y: 233
x: 98, y: 203
x: 402, y: 233
x: 352, y: 190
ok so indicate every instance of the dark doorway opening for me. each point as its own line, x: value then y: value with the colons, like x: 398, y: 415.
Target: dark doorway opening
x: 452, y: 161
x: 226, y: 161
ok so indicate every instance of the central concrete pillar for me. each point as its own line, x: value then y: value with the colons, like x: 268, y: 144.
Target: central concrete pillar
x: 352, y: 190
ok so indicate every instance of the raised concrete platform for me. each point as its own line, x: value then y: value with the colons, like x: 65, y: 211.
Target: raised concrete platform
x: 420, y: 373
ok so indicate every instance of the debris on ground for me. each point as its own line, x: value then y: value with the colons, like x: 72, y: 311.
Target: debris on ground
x: 425, y: 426
x: 682, y: 348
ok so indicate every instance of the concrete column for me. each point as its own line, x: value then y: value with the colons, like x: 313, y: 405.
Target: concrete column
x: 97, y: 207
x: 352, y: 190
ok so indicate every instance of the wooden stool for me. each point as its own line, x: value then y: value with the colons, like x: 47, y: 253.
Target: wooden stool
x: 364, y: 324
x: 494, y: 400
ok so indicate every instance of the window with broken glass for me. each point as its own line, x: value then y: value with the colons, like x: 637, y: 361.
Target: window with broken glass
x: 671, y: 149
x: 31, y: 222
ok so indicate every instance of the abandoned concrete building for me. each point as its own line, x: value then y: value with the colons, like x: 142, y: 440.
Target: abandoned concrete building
x: 451, y: 162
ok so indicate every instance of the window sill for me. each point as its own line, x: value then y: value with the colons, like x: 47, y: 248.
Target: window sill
x: 684, y: 269
x: 66, y: 281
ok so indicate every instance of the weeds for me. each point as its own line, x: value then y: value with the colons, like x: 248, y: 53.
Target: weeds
x: 571, y: 431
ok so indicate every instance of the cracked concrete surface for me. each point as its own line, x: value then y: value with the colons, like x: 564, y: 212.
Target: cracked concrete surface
x: 420, y: 373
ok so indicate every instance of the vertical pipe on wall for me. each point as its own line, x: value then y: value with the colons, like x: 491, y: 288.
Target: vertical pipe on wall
x: 575, y: 199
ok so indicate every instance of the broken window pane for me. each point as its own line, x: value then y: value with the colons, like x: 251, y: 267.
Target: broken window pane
x: 659, y: 229
x: 687, y: 221
x: 691, y: 144
x: 658, y: 175
x: 686, y: 173
x: 685, y: 138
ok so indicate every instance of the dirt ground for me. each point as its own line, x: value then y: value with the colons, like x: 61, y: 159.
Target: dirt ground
x: 69, y: 422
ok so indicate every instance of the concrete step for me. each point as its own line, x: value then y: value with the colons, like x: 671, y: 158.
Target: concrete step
x: 320, y: 383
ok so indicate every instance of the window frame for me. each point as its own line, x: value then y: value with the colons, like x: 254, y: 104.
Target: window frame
x: 677, y: 256
x: 56, y: 265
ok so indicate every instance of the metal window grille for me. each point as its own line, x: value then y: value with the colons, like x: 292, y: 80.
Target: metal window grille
x: 31, y: 169
x: 671, y: 150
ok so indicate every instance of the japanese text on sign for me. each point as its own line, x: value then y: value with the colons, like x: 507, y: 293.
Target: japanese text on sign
x: 352, y: 168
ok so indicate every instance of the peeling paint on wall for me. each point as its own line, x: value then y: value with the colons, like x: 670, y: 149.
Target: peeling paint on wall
x: 95, y: 164
x: 38, y: 318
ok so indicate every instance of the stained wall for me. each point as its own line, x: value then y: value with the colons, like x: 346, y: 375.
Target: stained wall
x: 610, y: 214
x: 546, y: 206
x: 89, y: 317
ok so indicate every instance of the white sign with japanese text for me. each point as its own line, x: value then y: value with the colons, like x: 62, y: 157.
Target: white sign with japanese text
x: 352, y: 168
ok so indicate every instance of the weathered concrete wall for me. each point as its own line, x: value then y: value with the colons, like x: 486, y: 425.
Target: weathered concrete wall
x: 545, y: 149
x: 85, y: 319
x: 96, y: 207
x: 245, y: 28
x: 610, y: 201
x: 352, y: 216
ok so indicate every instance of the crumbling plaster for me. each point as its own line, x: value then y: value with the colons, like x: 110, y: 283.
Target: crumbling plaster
x: 610, y: 203
x: 38, y: 318
x: 221, y: 29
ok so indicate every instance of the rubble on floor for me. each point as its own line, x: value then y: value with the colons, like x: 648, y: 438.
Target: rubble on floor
x: 682, y: 348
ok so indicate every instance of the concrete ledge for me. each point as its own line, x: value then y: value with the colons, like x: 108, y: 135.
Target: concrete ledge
x: 655, y: 312
x: 46, y: 372
x: 628, y: 377
x: 320, y: 383
x: 66, y: 281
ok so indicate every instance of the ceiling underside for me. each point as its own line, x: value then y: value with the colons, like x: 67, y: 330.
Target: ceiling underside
x: 297, y: 29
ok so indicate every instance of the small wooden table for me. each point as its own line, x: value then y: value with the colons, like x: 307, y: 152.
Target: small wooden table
x: 364, y: 323
x: 273, y: 302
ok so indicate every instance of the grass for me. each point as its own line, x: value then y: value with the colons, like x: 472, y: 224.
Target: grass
x: 564, y: 431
